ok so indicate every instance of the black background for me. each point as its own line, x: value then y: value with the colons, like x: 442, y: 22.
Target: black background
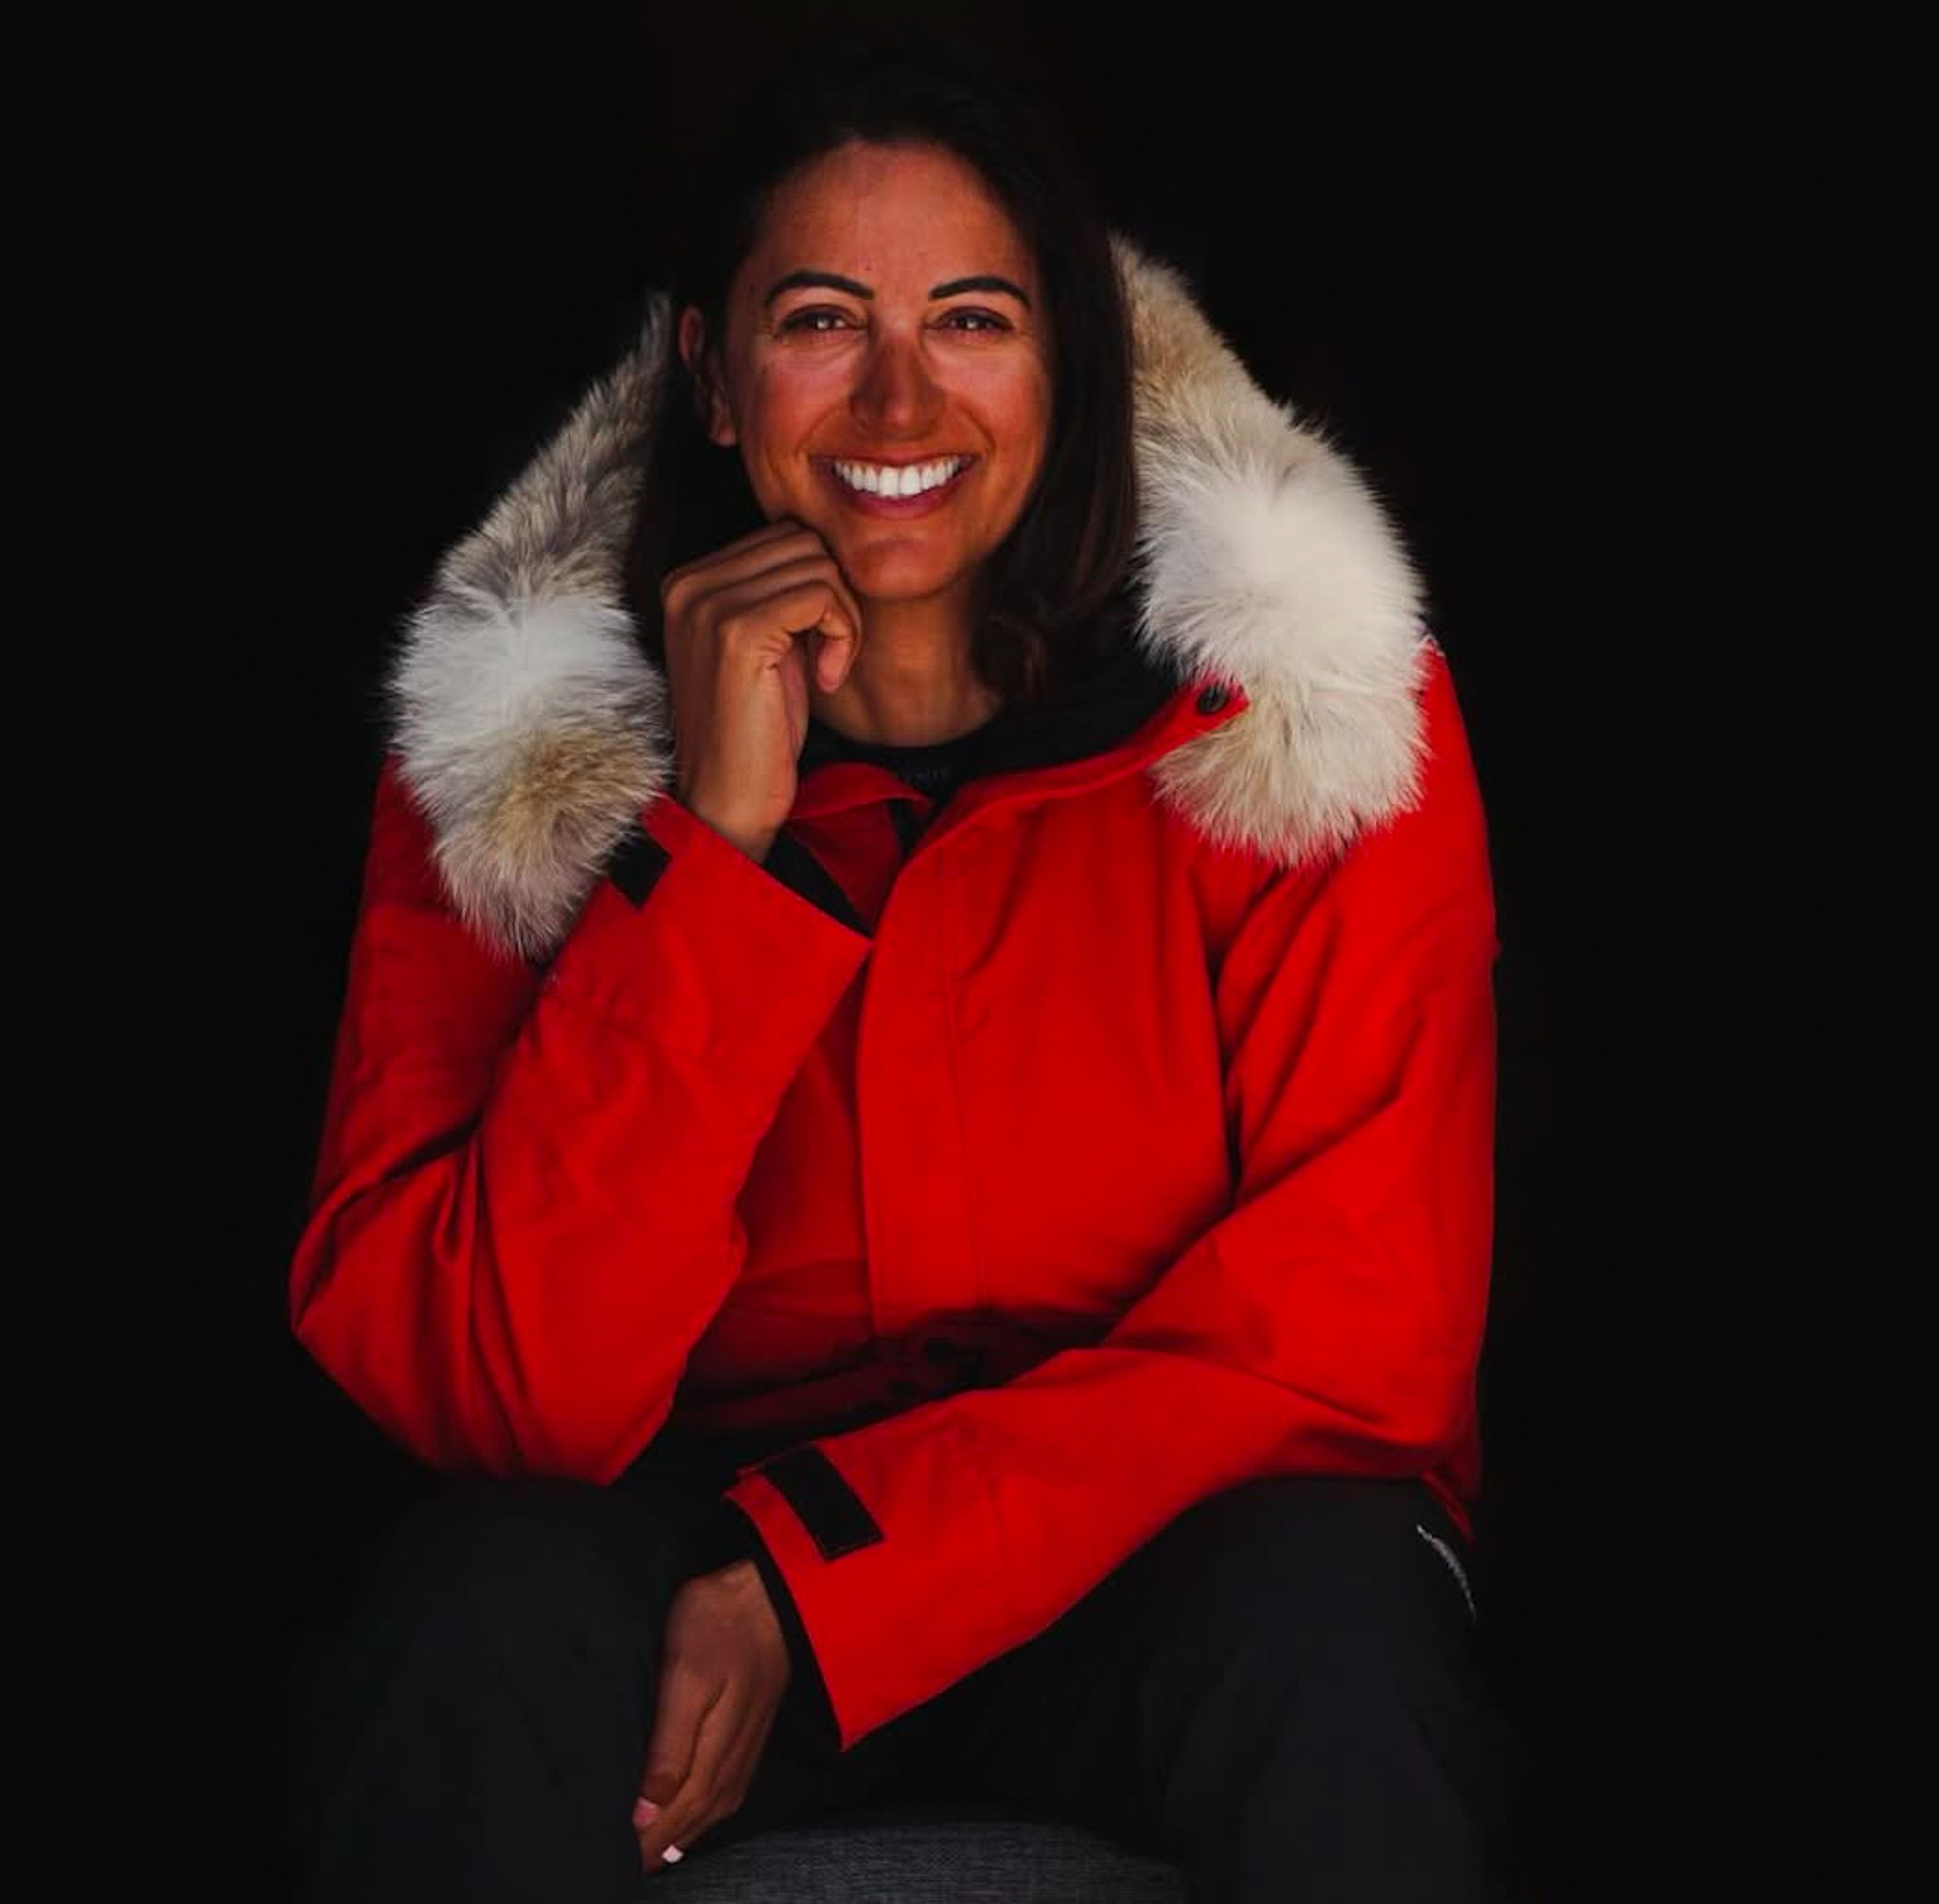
x: 421, y: 242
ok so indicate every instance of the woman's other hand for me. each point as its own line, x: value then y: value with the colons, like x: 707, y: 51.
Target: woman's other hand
x: 743, y: 628
x: 724, y: 1669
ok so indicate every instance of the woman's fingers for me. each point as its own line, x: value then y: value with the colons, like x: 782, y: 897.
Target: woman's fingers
x: 783, y: 541
x: 729, y: 580
x: 836, y: 639
x: 750, y: 630
x: 724, y: 1670
x: 680, y: 1710
x: 747, y: 597
x: 706, y: 1792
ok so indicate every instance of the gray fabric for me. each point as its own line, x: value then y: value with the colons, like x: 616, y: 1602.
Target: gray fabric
x: 954, y: 1853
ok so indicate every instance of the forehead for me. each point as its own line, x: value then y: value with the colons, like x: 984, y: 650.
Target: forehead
x: 888, y: 215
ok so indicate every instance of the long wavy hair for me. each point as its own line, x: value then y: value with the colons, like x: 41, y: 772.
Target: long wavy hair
x: 1055, y: 594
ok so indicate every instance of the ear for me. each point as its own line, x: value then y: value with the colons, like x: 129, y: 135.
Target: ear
x: 715, y: 417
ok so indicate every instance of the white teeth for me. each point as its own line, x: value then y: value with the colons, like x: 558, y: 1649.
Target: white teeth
x: 874, y: 481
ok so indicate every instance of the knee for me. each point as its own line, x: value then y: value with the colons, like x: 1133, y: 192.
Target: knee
x: 1305, y: 1533
x: 1308, y: 1581
x: 485, y: 1560
x: 1321, y: 1640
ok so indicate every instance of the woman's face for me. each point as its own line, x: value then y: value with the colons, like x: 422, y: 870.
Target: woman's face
x: 902, y: 365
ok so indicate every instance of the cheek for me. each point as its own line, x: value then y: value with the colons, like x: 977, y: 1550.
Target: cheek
x: 782, y: 401
x: 766, y: 438
x: 1020, y: 401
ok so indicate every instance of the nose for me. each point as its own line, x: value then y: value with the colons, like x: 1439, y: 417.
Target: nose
x: 896, y: 395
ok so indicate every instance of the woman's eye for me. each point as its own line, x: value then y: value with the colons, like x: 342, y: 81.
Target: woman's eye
x: 804, y: 320
x: 972, y: 321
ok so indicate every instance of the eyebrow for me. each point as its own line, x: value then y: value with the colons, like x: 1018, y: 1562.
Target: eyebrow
x: 796, y: 279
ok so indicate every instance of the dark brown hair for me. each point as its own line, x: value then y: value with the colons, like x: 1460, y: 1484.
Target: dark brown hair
x: 1056, y: 595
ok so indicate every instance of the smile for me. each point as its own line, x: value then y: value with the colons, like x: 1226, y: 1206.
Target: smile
x: 891, y: 489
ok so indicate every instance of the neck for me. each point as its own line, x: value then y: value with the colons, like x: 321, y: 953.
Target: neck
x: 912, y: 684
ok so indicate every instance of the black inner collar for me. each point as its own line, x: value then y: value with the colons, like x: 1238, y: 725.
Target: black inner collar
x: 1102, y: 709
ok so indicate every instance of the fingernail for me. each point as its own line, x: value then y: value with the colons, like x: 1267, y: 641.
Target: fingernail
x: 672, y: 1855
x: 645, y: 1811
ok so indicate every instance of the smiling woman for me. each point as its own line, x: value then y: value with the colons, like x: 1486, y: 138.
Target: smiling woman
x: 884, y: 271
x: 912, y: 1124
x: 891, y: 400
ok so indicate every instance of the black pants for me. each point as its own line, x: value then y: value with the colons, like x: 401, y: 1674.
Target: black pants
x: 1284, y: 1693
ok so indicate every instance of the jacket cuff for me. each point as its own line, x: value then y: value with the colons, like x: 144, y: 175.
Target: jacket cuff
x: 806, y: 1706
x: 899, y: 1602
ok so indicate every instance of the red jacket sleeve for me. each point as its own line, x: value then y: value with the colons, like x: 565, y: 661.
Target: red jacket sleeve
x: 523, y: 1213
x: 1330, y: 1321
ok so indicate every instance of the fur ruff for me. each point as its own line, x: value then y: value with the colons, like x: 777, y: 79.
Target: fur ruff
x: 531, y: 728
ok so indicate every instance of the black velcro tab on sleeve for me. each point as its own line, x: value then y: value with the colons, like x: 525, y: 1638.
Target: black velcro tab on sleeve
x: 636, y: 863
x: 825, y: 1504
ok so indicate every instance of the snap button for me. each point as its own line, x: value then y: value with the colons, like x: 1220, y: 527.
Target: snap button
x: 1213, y: 698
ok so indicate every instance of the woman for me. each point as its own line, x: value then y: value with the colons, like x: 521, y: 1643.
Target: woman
x: 913, y: 1121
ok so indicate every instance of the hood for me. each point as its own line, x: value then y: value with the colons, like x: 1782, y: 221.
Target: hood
x: 531, y: 726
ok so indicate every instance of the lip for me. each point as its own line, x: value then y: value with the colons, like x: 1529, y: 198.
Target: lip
x: 896, y: 506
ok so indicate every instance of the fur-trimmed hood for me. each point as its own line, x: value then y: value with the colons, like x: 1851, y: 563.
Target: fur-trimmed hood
x: 531, y: 727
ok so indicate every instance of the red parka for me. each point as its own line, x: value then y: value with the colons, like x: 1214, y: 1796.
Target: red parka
x: 1125, y: 1134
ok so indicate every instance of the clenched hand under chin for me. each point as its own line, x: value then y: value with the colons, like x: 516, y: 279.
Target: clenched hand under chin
x: 724, y: 1669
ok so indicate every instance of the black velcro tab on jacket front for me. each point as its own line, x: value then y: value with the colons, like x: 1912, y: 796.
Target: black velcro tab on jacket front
x: 908, y: 828
x: 825, y: 1505
x: 798, y: 870
x: 636, y: 863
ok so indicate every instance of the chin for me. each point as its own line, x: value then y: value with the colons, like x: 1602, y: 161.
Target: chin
x: 891, y: 575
